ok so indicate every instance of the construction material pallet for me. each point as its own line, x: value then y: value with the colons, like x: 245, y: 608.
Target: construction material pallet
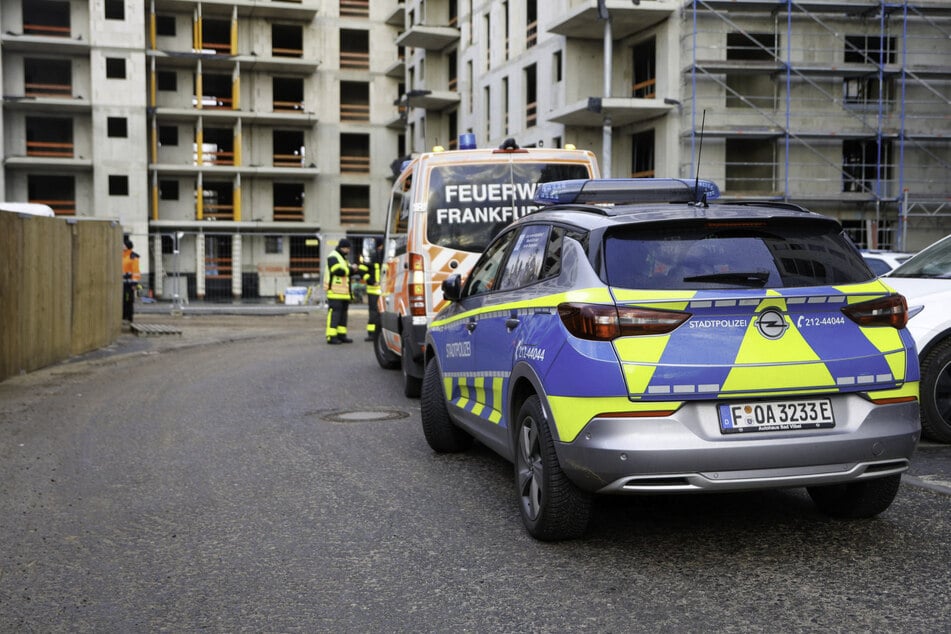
x: 154, y: 329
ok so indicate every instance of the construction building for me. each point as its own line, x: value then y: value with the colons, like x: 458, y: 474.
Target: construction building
x: 840, y: 106
x: 236, y: 140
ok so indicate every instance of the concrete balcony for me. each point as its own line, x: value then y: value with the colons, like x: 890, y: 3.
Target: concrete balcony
x: 282, y: 9
x: 627, y: 18
x: 398, y: 17
x: 433, y: 99
x: 396, y: 70
x: 44, y: 45
x: 622, y: 111
x: 430, y: 38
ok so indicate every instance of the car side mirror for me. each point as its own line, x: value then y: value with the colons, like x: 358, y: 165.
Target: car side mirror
x: 452, y: 287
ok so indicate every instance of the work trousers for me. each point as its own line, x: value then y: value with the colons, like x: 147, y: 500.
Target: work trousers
x: 337, y: 317
x: 373, y: 322
x: 128, y: 300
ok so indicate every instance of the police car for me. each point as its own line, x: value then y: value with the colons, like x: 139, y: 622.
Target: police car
x: 631, y: 337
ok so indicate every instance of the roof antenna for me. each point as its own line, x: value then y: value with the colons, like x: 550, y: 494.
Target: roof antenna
x: 696, y: 186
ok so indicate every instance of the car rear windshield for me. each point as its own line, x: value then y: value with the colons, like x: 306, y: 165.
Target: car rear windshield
x: 713, y: 255
x: 469, y: 204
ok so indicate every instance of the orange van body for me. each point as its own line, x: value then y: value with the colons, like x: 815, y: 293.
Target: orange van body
x: 444, y: 209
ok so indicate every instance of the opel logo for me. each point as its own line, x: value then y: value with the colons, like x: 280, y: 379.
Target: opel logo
x: 771, y: 324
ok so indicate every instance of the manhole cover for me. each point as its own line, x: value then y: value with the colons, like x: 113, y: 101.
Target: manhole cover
x: 363, y: 415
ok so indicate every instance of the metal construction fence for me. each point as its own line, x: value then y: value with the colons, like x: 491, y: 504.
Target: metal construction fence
x: 222, y: 266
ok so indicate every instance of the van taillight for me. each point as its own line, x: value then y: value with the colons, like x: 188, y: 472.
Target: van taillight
x: 417, y: 286
x: 891, y: 310
x: 600, y: 322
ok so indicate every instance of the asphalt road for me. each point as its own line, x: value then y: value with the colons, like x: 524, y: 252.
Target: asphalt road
x: 245, y: 476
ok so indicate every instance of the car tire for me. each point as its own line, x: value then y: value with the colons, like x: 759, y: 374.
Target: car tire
x: 386, y: 359
x: 856, y: 500
x: 441, y: 433
x: 936, y: 393
x: 552, y: 507
x: 412, y: 386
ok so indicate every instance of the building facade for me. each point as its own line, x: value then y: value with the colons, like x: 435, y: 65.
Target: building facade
x: 840, y: 106
x: 236, y: 140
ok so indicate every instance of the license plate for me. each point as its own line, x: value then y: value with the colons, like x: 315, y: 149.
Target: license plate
x: 738, y: 418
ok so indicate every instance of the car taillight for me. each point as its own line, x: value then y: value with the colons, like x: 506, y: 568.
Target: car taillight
x: 417, y: 286
x: 891, y: 310
x: 600, y: 322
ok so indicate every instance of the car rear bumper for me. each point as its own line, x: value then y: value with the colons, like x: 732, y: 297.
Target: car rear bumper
x: 686, y: 452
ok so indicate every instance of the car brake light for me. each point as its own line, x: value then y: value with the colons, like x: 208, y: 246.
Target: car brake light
x: 417, y: 286
x: 893, y: 400
x: 891, y: 310
x: 601, y: 322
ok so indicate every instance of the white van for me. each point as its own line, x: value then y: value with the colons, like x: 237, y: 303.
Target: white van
x: 445, y: 208
x: 30, y: 209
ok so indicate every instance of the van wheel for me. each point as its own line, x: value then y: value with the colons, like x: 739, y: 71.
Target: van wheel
x: 412, y: 386
x: 856, y: 500
x: 441, y: 433
x: 552, y: 506
x: 936, y: 393
x: 386, y: 359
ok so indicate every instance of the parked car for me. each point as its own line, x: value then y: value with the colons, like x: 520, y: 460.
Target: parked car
x: 632, y: 338
x: 925, y: 281
x: 881, y: 262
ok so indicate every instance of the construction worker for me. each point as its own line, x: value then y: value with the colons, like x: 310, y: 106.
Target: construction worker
x: 371, y: 277
x: 338, y: 293
x: 130, y: 278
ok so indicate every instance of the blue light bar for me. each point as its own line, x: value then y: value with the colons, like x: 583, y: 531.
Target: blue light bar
x: 620, y: 191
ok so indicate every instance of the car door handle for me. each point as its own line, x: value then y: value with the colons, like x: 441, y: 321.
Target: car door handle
x: 512, y: 322
x: 471, y: 325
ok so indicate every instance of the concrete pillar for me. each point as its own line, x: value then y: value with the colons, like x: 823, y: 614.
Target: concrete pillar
x: 200, y: 265
x: 158, y: 266
x: 236, y: 266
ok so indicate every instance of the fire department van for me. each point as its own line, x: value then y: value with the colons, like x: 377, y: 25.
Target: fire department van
x: 445, y: 208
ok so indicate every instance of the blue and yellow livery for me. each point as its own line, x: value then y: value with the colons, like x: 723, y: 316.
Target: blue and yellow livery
x: 673, y: 347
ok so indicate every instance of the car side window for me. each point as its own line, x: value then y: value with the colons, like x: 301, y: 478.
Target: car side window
x: 486, y: 273
x: 528, y: 256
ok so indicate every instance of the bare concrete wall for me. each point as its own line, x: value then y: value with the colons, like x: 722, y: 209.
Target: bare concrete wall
x: 60, y: 289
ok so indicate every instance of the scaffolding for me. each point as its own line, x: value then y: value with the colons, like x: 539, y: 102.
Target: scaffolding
x: 840, y: 105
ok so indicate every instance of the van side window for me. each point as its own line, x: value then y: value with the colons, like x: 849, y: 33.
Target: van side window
x: 398, y: 218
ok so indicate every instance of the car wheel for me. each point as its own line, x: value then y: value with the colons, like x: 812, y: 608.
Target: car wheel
x: 386, y: 359
x: 552, y: 507
x: 856, y: 500
x: 411, y: 384
x: 936, y: 393
x: 441, y: 433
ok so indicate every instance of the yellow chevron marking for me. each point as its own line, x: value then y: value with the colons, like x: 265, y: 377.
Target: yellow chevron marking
x: 478, y: 392
x: 495, y: 414
x: 645, y: 350
x: 571, y: 414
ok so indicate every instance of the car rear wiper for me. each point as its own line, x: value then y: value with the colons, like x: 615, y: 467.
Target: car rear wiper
x: 747, y: 278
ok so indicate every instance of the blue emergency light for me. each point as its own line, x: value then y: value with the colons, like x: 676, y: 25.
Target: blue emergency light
x: 467, y: 141
x: 620, y: 191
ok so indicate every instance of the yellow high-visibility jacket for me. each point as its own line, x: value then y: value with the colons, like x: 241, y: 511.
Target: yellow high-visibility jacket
x: 338, y: 277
